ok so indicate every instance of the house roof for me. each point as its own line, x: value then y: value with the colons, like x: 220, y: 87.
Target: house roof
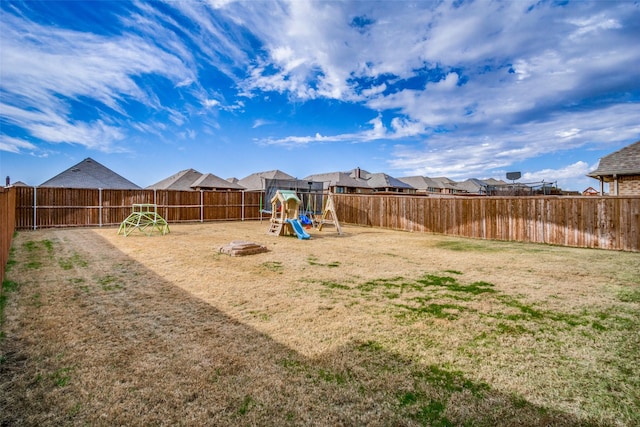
x: 493, y: 181
x: 472, y: 185
x: 625, y: 161
x: 89, y: 174
x: 209, y: 180
x: 178, y: 181
x: 444, y: 182
x: 338, y: 179
x: 382, y: 180
x: 255, y: 181
x: 420, y: 182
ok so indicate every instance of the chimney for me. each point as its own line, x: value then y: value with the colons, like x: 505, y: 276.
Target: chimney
x: 358, y: 173
x: 8, y: 181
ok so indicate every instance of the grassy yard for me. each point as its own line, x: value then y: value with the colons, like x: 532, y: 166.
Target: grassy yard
x: 374, y: 327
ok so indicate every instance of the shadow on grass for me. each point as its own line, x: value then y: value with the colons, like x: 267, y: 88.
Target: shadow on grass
x: 113, y: 343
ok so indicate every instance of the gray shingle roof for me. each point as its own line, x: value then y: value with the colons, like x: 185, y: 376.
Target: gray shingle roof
x: 255, y: 182
x: 338, y: 179
x: 209, y: 180
x: 382, y: 180
x: 625, y: 161
x: 423, y: 183
x: 90, y: 174
x: 179, y: 181
x: 472, y: 185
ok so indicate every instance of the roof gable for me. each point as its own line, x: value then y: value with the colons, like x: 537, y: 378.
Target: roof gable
x: 338, y: 179
x: 625, y: 161
x: 210, y: 180
x: 179, y: 181
x: 255, y: 181
x: 90, y: 174
x: 382, y: 180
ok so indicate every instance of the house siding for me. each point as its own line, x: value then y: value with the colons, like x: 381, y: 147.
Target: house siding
x: 628, y: 185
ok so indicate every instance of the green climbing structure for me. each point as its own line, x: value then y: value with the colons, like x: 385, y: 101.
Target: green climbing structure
x: 144, y: 217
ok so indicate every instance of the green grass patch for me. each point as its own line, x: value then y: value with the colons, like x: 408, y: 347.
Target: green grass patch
x: 332, y: 377
x: 247, y: 403
x: 314, y: 261
x: 334, y: 285
x: 441, y: 311
x: 630, y: 295
x: 450, y: 380
x: 70, y: 262
x: 110, y: 283
x: 370, y: 346
x: 275, y: 266
x: 466, y: 246
x: 451, y: 284
x: 61, y: 377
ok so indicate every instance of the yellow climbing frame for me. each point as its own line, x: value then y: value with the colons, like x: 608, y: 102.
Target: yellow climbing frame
x: 145, y: 218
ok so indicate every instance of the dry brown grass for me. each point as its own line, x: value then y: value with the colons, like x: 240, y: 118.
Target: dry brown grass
x: 374, y: 327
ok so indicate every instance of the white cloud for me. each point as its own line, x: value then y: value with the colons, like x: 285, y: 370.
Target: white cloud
x: 209, y: 103
x: 46, y: 69
x: 15, y: 145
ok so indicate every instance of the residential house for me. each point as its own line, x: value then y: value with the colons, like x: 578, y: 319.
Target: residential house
x: 383, y: 183
x: 341, y: 183
x: 621, y: 170
x: 179, y: 181
x: 590, y: 192
x: 446, y: 185
x: 359, y: 181
x: 472, y: 186
x: 209, y: 181
x: 422, y: 184
x: 256, y: 181
x: 192, y: 180
x: 90, y: 174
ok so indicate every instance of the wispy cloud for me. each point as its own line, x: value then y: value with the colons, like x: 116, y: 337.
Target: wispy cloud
x: 48, y: 70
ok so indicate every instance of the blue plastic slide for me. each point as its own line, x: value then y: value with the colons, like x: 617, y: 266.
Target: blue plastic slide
x: 297, y: 227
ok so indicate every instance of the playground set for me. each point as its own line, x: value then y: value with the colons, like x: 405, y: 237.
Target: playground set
x: 287, y: 219
x: 144, y: 217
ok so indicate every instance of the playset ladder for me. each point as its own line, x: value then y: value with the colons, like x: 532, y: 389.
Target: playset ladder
x: 275, y: 228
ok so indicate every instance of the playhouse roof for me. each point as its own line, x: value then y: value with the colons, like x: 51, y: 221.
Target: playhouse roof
x: 285, y: 195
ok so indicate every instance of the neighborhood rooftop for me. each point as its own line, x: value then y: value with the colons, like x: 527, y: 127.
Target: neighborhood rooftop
x: 621, y: 169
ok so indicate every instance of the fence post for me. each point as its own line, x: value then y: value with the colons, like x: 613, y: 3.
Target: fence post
x: 35, y: 216
x: 201, y: 206
x: 100, y: 207
x: 242, y: 210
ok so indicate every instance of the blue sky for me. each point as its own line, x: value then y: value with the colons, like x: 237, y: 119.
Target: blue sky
x: 436, y: 88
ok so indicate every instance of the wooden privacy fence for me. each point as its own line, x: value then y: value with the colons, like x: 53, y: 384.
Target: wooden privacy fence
x: 7, y: 226
x: 44, y: 207
x: 587, y: 222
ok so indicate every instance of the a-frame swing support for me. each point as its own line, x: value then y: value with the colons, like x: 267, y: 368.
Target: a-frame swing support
x: 329, y: 215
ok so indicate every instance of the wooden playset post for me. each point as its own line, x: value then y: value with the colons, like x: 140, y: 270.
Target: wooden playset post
x: 329, y: 215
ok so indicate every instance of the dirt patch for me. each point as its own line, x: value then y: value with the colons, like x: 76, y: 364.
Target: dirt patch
x: 371, y: 327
